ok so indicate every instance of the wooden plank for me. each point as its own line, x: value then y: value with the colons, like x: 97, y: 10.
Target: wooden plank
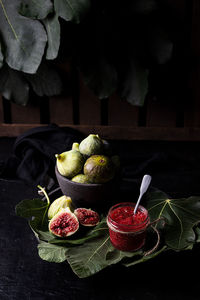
x: 116, y: 132
x: 29, y: 114
x: 160, y: 114
x: 89, y: 106
x: 61, y: 110
x: 120, y: 112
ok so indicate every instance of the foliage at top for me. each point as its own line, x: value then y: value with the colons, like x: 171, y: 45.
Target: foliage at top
x: 113, y: 43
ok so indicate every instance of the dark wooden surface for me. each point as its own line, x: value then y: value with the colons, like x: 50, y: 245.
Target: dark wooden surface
x: 174, y: 276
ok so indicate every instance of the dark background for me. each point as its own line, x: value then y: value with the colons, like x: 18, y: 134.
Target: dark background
x: 175, y: 169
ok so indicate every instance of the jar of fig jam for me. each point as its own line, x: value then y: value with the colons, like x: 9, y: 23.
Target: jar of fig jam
x: 127, y: 230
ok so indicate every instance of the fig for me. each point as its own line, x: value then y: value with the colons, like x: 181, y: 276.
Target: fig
x: 64, y: 223
x: 70, y: 163
x: 75, y: 146
x: 87, y: 217
x: 91, y: 145
x: 99, y: 169
x: 81, y: 178
x: 59, y: 204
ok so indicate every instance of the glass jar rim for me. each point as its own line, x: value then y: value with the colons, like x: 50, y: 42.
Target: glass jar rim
x: 127, y: 226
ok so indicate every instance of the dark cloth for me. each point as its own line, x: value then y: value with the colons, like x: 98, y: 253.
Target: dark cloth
x: 33, y: 158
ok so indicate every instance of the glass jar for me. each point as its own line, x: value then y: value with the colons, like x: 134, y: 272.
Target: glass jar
x: 127, y: 231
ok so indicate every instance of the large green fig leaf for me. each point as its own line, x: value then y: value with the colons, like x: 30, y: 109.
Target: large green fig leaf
x: 24, y: 39
x: 72, y: 10
x: 52, y: 26
x: 13, y: 86
x: 36, y: 9
x: 35, y: 210
x: 134, y: 86
x: 180, y: 215
x: 52, y: 253
x: 45, y: 82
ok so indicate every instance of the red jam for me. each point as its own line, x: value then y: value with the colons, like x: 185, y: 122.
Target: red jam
x: 127, y: 230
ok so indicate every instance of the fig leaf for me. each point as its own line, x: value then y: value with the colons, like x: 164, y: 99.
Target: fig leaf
x: 36, y: 9
x: 24, y: 39
x: 180, y: 215
x: 52, y: 26
x: 52, y: 253
x: 73, y: 11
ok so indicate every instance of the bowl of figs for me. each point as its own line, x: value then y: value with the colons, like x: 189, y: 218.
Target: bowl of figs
x: 89, y: 173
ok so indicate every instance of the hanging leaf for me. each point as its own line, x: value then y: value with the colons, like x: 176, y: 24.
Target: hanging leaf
x: 46, y: 82
x: 13, y: 86
x: 36, y: 9
x: 181, y: 215
x: 160, y: 46
x: 24, y: 39
x: 1, y: 57
x: 134, y: 86
x: 72, y: 10
x: 144, y: 6
x: 52, y: 26
x: 101, y: 77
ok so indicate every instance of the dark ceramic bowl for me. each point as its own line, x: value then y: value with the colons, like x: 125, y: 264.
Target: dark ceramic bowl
x: 95, y: 196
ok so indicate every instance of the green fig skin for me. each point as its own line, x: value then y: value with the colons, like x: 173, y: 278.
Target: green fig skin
x: 81, y: 178
x: 75, y: 146
x: 59, y: 204
x: 99, y: 169
x: 91, y: 145
x: 70, y: 163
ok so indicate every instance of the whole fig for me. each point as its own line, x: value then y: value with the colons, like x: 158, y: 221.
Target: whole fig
x: 69, y: 163
x: 64, y: 223
x: 59, y: 204
x: 91, y: 145
x: 81, y: 178
x: 99, y: 169
x: 87, y: 217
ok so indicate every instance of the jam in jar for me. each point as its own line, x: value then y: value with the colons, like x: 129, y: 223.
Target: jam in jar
x: 127, y: 230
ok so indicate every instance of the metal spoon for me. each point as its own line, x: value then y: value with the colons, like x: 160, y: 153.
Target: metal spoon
x: 143, y: 188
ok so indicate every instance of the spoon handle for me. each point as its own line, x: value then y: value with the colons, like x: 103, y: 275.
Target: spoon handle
x: 143, y: 188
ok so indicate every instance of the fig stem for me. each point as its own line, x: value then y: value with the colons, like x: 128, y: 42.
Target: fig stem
x: 48, y: 201
x: 45, y: 193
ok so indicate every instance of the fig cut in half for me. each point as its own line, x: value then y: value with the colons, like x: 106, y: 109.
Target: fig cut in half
x: 64, y: 223
x: 87, y: 217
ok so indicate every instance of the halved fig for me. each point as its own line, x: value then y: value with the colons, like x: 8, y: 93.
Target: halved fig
x: 64, y: 223
x: 87, y: 217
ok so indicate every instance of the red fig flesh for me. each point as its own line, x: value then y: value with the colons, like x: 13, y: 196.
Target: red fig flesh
x: 64, y: 223
x: 87, y: 217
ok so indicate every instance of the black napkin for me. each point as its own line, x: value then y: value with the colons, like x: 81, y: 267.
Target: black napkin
x: 33, y: 159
